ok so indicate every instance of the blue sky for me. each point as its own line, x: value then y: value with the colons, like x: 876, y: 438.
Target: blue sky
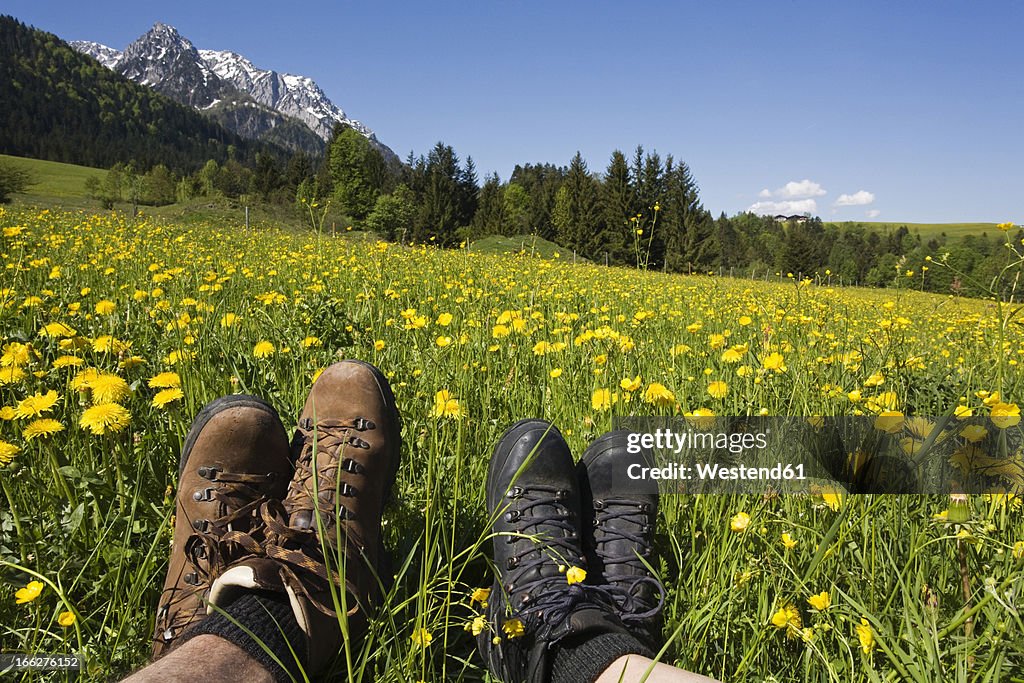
x: 907, y: 111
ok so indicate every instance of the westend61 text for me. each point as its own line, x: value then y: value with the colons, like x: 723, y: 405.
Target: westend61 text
x: 706, y: 471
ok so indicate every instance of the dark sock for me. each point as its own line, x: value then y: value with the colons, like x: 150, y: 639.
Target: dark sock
x: 583, y: 659
x: 269, y: 617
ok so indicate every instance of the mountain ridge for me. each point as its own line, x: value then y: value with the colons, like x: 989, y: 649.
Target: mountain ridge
x: 231, y: 88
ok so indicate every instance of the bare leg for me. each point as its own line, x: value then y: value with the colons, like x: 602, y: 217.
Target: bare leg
x: 206, y: 658
x: 634, y: 668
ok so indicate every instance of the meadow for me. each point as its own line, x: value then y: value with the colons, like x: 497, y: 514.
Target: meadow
x: 115, y: 331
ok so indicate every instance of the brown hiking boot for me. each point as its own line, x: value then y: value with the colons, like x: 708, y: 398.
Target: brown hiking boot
x: 323, y: 542
x: 235, y: 457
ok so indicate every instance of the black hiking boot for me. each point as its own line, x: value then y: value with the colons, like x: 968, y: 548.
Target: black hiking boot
x: 619, y: 517
x: 538, y: 599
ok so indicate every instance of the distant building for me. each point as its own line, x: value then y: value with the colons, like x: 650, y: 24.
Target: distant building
x: 795, y: 218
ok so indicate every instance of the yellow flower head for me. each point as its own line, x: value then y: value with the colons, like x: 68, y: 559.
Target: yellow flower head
x: 718, y: 389
x: 1005, y: 415
x: 165, y: 380
x: 28, y: 593
x: 41, y: 429
x: 36, y: 404
x: 575, y: 575
x: 513, y: 628
x: 378, y: 345
x: 167, y: 396
x: 658, y: 394
x: 105, y: 307
x: 821, y: 602
x: 108, y: 388
x: 421, y: 637
x: 7, y: 452
x: 866, y: 636
x: 263, y: 349
x: 739, y: 522
x: 446, y: 405
x: 602, y: 399
x: 66, y: 619
x: 788, y: 617
x: 788, y: 541
x: 481, y: 595
x: 105, y: 418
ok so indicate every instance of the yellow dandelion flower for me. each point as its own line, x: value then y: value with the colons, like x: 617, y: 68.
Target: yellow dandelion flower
x: 833, y: 500
x: 788, y: 541
x: 263, y: 349
x: 821, y: 602
x: 875, y: 380
x: 555, y: 373
x: 29, y: 593
x: 167, y: 396
x: 36, y: 404
x: 739, y: 522
x: 378, y: 345
x: 41, y: 428
x: 444, y: 320
x: 745, y: 320
x: 541, y: 348
x: 66, y: 619
x: 11, y: 375
x: 105, y: 418
x: 602, y: 399
x: 443, y: 341
x: 1018, y: 550
x: 7, y: 452
x: 67, y: 362
x: 446, y: 405
x: 165, y: 380
x: 500, y: 331
x: 775, y: 362
x: 229, y: 319
x: 628, y: 384
x: 718, y: 389
x: 310, y: 342
x: 105, y: 307
x: 7, y: 413
x: 57, y: 330
x: 108, y: 388
x: 659, y: 395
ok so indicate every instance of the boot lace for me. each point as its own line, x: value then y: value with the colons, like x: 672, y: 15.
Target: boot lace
x: 626, y: 590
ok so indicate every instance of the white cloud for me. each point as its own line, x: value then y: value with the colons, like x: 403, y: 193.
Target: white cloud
x: 858, y: 198
x: 874, y: 213
x: 789, y: 208
x: 765, y: 194
x: 800, y: 189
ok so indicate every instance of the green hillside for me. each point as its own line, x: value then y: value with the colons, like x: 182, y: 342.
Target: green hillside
x: 927, y: 230
x: 528, y: 244
x: 54, y: 179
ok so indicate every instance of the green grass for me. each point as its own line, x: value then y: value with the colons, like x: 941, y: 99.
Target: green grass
x: 927, y: 231
x: 472, y: 342
x: 528, y: 245
x: 53, y: 179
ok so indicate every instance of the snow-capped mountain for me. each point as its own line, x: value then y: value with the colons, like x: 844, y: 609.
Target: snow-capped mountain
x: 107, y: 56
x: 296, y: 96
x: 257, y: 103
